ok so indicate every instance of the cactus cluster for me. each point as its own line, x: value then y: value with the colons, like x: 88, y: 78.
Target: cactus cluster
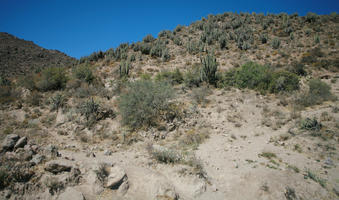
x: 209, y: 69
x: 124, y: 68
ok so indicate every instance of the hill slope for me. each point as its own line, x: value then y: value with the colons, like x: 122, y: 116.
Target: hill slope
x: 18, y: 56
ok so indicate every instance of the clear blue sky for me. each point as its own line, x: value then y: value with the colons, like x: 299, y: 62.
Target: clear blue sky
x: 79, y: 27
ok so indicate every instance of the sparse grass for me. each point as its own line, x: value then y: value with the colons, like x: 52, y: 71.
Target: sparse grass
x: 294, y: 168
x: 268, y: 155
x: 194, y: 137
x: 54, y: 185
x: 314, y: 177
x: 290, y: 194
x: 199, y: 94
x: 102, y: 172
x: 164, y: 155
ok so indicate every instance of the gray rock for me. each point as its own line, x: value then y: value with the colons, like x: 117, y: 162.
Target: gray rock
x: 9, y: 142
x: 107, y: 152
x: 71, y: 194
x: 328, y: 161
x: 115, y: 177
x: 123, y: 187
x: 21, y: 143
x: 37, y: 159
x: 51, y: 151
x: 95, y: 186
x: 58, y: 166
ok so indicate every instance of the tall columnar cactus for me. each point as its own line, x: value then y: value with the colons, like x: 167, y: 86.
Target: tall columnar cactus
x: 209, y: 69
x: 124, y: 69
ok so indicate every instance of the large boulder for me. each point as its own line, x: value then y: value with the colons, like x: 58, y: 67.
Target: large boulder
x: 71, y: 194
x: 9, y: 142
x: 58, y: 166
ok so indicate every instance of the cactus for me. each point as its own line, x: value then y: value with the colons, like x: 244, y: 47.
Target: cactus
x: 209, y: 69
x: 124, y: 69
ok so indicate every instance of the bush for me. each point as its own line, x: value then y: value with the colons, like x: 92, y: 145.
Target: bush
x: 283, y: 81
x: 275, y: 43
x: 53, y: 78
x: 209, y: 69
x: 58, y: 101
x: 84, y: 72
x: 144, y: 103
x: 90, y: 109
x: 173, y: 77
x: 310, y: 124
x: 250, y: 75
x: 192, y: 77
x: 148, y: 38
x: 263, y: 38
x: 261, y: 78
x: 317, y: 94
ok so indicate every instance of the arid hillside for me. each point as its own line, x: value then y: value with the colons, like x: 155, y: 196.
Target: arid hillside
x: 18, y: 57
x: 233, y: 106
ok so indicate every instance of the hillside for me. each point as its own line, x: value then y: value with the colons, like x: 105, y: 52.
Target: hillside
x: 18, y: 56
x: 233, y: 106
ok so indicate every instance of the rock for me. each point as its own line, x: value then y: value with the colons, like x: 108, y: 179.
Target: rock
x: 71, y: 194
x: 7, y: 194
x: 329, y: 162
x: 9, y: 142
x: 123, y: 187
x: 51, y: 151
x: 165, y: 191
x: 37, y: 159
x: 60, y: 118
x: 21, y: 143
x: 115, y: 178
x: 94, y: 183
x: 336, y: 190
x: 58, y: 166
x: 107, y: 152
x: 22, y: 154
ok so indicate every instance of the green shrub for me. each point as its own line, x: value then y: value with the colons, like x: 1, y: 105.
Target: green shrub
x: 58, y: 101
x: 84, y: 72
x: 148, y: 38
x: 310, y: 124
x: 144, y: 103
x: 275, y: 43
x: 4, y: 177
x: 209, y: 69
x: 317, y: 94
x: 173, y: 77
x: 223, y: 42
x: 89, y: 109
x: 298, y: 69
x: 192, y: 77
x: 53, y: 78
x: 4, y: 81
x: 283, y: 81
x: 250, y: 75
x: 263, y: 38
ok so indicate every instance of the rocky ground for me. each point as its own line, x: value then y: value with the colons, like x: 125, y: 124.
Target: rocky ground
x: 254, y: 150
x: 222, y: 142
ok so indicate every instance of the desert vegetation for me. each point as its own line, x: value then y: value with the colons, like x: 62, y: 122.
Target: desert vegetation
x: 197, y: 112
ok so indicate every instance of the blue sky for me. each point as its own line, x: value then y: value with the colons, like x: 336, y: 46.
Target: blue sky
x: 79, y: 27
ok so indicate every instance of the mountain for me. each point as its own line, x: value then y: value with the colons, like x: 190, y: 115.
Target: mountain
x: 18, y: 56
